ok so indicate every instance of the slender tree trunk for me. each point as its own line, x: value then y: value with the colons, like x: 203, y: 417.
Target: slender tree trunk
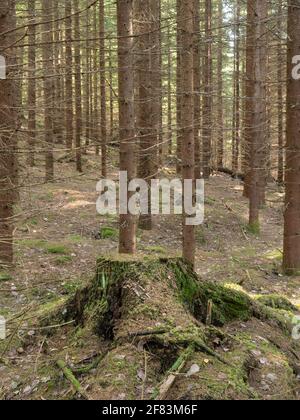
x: 220, y: 157
x: 187, y: 117
x: 58, y: 111
x: 8, y: 133
x: 197, y: 89
x: 258, y: 131
x: 236, y: 128
x: 146, y: 132
x: 178, y: 88
x: 31, y: 84
x: 280, y: 55
x: 126, y: 116
x: 95, y: 97
x: 248, y: 116
x: 170, y: 114
x: 103, y: 90
x: 87, y: 82
x: 207, y: 105
x: 291, y: 260
x: 111, y: 91
x: 47, y: 38
x: 78, y: 102
x: 69, y: 76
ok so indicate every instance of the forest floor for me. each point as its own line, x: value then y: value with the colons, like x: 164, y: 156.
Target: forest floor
x: 59, y: 237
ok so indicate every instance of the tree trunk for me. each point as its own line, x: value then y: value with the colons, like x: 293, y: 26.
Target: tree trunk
x: 207, y: 105
x: 78, y: 88
x: 258, y: 130
x: 291, y: 261
x: 87, y: 82
x: 220, y: 148
x: 178, y: 88
x: 280, y: 55
x: 236, y: 127
x: 103, y: 90
x: 31, y: 104
x: 146, y: 132
x: 127, y: 243
x: 8, y: 133
x: 197, y: 89
x: 69, y: 77
x: 47, y: 38
x: 248, y: 115
x: 187, y: 116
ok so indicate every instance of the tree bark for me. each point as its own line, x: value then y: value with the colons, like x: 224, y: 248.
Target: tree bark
x: 187, y: 116
x: 207, y: 103
x: 69, y: 76
x: 103, y: 90
x: 197, y: 89
x: 127, y: 243
x: 258, y: 130
x: 47, y: 38
x: 78, y: 102
x: 291, y: 260
x: 31, y: 92
x: 8, y: 133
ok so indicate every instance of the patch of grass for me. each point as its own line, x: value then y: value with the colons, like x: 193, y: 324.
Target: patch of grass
x: 32, y: 243
x: 200, y: 236
x: 71, y: 287
x: 76, y: 239
x: 56, y: 249
x: 274, y: 255
x: 32, y: 222
x: 156, y: 249
x: 109, y: 233
x: 209, y: 201
x: 253, y: 228
x: 63, y: 259
x: 5, y: 277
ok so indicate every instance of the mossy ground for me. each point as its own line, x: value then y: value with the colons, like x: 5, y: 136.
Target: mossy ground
x: 138, y: 313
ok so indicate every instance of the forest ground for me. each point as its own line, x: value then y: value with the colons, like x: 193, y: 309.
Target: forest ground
x: 60, y: 236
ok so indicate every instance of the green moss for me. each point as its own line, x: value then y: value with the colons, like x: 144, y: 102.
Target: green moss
x: 76, y: 239
x: 49, y: 247
x: 277, y: 302
x: 62, y: 260
x: 56, y: 249
x: 254, y: 228
x: 200, y: 236
x: 5, y: 277
x: 275, y: 255
x: 156, y: 249
x: 109, y: 233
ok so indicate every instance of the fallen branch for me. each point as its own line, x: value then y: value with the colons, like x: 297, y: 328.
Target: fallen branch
x: 71, y: 378
x: 161, y: 393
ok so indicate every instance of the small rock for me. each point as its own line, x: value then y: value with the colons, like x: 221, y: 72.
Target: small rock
x: 27, y: 390
x: 20, y: 350
x: 272, y: 377
x: 193, y: 370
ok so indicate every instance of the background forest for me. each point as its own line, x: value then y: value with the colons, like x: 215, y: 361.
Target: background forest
x: 161, y: 89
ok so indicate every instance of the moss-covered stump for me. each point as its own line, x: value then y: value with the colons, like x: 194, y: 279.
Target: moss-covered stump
x: 149, y: 311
